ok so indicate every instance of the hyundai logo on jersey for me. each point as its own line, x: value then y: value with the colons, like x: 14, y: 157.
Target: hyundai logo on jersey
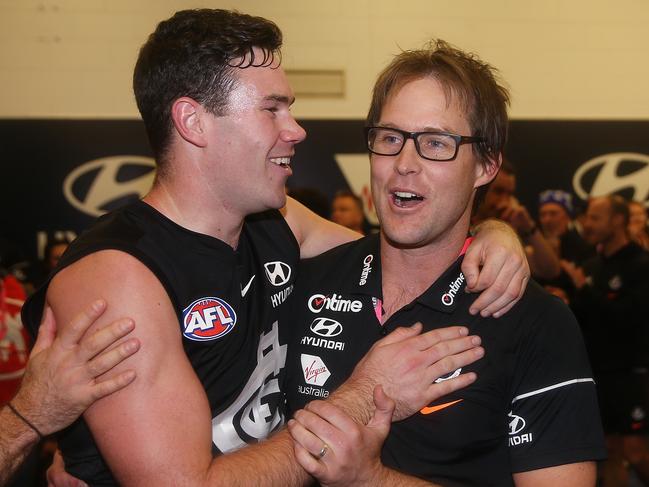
x: 208, y: 319
x: 326, y: 327
x: 277, y: 272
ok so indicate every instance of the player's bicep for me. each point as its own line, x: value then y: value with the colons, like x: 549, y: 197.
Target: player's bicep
x: 157, y: 430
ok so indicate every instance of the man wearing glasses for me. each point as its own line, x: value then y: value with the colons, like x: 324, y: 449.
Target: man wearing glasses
x: 530, y: 418
x: 205, y: 264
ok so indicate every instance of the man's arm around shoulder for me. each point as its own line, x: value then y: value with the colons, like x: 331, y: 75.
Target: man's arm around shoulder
x: 313, y: 233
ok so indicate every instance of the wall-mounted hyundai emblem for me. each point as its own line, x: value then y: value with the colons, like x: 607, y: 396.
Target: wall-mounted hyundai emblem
x: 326, y: 327
x: 278, y: 272
x: 624, y: 173
x: 102, y: 185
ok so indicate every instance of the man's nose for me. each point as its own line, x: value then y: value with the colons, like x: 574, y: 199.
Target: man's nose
x: 408, y: 160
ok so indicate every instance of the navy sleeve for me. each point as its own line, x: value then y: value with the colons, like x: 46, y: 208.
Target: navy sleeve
x: 554, y: 418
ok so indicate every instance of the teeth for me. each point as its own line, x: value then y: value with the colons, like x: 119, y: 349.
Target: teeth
x: 281, y: 161
x: 403, y: 194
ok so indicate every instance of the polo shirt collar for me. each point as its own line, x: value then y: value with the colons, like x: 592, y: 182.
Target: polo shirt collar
x: 365, y: 277
x: 447, y: 290
x: 365, y: 270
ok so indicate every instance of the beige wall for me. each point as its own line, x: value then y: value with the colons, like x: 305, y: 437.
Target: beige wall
x: 565, y: 59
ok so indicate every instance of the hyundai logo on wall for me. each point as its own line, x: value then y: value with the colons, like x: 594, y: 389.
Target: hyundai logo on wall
x: 624, y: 173
x: 101, y: 185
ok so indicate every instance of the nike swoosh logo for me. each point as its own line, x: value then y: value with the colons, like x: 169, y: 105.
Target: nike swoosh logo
x: 244, y: 290
x: 432, y: 409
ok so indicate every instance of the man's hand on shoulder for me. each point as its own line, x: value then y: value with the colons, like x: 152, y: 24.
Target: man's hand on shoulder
x: 495, y: 263
x: 62, y: 378
x: 127, y: 423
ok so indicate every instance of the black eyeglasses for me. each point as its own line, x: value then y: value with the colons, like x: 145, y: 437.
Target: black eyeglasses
x: 434, y: 146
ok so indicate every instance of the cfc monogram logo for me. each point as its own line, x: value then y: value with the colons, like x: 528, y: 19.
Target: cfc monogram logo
x: 256, y: 412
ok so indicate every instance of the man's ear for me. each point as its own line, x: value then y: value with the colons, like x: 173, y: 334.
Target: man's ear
x: 186, y: 115
x: 487, y: 171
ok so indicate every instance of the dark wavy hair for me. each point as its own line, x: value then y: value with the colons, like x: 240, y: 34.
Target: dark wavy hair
x: 472, y: 82
x: 195, y: 53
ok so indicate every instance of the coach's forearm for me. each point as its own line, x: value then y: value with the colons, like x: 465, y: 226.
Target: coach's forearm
x: 354, y: 397
x: 387, y: 477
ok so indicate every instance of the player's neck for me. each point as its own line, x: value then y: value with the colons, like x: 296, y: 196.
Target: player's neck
x: 408, y: 272
x: 189, y: 210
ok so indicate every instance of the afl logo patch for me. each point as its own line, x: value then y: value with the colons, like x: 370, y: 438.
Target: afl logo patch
x: 208, y: 319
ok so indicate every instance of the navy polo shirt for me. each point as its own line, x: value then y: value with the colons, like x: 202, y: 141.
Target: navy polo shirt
x: 533, y: 405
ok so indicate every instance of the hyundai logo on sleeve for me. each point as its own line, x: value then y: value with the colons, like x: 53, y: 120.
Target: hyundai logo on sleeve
x: 516, y: 425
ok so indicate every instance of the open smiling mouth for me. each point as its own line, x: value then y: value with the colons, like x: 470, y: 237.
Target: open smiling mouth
x: 281, y: 161
x: 404, y: 199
